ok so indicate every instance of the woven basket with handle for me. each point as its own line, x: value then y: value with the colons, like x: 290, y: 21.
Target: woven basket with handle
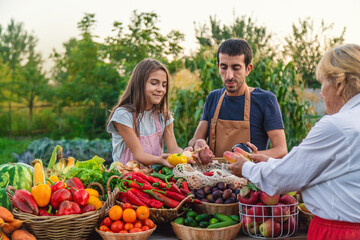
x: 157, y: 215
x: 74, y: 227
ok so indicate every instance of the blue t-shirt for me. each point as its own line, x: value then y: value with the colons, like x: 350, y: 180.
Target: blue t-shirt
x: 265, y: 113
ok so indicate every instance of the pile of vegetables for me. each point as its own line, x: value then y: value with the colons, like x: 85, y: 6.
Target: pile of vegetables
x: 10, y: 226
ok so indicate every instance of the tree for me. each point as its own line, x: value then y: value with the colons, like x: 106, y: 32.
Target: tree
x: 14, y: 50
x: 307, y: 45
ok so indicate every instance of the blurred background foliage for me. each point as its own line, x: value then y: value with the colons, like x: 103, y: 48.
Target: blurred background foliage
x: 73, y: 100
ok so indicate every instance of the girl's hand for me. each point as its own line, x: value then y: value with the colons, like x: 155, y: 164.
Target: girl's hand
x: 164, y: 161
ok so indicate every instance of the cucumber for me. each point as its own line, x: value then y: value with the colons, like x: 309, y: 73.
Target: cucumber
x: 222, y: 224
x: 222, y: 218
x: 234, y: 217
x: 203, y: 217
x: 213, y: 220
x: 191, y: 213
x: 190, y: 222
x: 204, y: 224
x: 179, y: 220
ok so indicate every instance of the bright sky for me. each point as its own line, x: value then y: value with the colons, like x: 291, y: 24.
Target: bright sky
x: 55, y: 21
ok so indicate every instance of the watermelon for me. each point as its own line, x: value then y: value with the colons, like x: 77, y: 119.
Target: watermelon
x: 18, y: 175
x: 4, y: 200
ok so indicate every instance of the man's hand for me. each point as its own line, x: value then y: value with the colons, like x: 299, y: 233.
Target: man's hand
x: 236, y: 167
x: 258, y: 158
x: 253, y: 148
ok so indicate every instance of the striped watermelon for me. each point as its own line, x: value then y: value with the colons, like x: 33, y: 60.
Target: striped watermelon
x: 4, y: 200
x: 20, y: 175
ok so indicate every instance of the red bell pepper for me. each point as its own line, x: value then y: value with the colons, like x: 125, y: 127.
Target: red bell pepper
x: 75, y: 183
x: 59, y: 196
x: 88, y: 208
x: 162, y: 198
x: 67, y: 208
x: 45, y: 211
x: 25, y: 202
x: 56, y: 186
x: 81, y: 197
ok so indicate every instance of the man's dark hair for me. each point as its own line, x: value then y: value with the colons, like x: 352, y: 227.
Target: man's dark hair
x: 235, y: 47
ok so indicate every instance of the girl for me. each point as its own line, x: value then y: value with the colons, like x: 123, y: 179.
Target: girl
x: 141, y: 119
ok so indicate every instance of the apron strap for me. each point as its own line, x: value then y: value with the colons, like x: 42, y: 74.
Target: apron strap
x: 157, y: 121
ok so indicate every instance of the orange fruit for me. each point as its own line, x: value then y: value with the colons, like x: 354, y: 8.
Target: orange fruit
x: 115, y: 213
x: 148, y: 222
x: 134, y: 230
x: 142, y: 212
x: 129, y: 215
x: 128, y: 226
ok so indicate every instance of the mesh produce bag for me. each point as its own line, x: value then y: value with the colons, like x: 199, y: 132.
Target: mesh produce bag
x: 196, y: 179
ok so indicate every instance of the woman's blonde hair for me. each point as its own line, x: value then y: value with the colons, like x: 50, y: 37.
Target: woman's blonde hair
x: 134, y: 98
x: 342, y: 64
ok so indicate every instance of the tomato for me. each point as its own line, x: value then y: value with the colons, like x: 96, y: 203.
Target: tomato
x: 128, y: 226
x: 115, y: 213
x: 107, y: 221
x: 142, y: 212
x: 145, y: 228
x: 129, y: 215
x: 137, y: 224
x: 123, y: 231
x: 134, y: 230
x: 148, y: 222
x: 127, y: 205
x: 117, y: 226
x: 104, y: 228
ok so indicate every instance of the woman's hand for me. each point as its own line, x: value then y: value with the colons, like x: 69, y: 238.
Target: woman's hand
x: 258, y: 158
x: 164, y: 160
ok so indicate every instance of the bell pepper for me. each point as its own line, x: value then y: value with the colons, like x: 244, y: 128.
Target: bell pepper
x: 96, y: 202
x: 41, y: 194
x: 92, y: 192
x: 56, y: 185
x: 81, y: 197
x: 59, y: 196
x: 23, y: 201
x: 175, y: 159
x: 45, y: 212
x: 52, y: 179
x: 88, y: 208
x: 68, y: 207
x: 75, y: 183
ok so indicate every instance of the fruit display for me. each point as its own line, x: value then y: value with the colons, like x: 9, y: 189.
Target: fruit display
x: 125, y: 220
x: 221, y: 193
x: 267, y: 216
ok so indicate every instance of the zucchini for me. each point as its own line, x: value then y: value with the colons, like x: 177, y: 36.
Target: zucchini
x: 234, y: 217
x: 203, y: 217
x: 191, y: 214
x: 222, y: 218
x: 213, y: 220
x: 179, y: 220
x: 190, y: 222
x: 222, y: 224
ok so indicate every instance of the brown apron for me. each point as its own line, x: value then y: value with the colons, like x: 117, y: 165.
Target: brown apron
x: 224, y: 134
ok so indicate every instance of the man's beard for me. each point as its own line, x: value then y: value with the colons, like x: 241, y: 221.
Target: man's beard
x: 235, y: 88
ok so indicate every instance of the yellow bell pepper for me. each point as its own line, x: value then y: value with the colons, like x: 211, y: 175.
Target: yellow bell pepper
x: 41, y: 194
x: 92, y: 192
x: 96, y: 202
x: 53, y: 178
x: 175, y: 159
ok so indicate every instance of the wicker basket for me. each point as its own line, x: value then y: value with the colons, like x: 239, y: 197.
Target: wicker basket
x: 77, y: 226
x: 126, y: 236
x: 157, y: 215
x: 191, y: 233
x: 304, y: 219
x: 212, y: 208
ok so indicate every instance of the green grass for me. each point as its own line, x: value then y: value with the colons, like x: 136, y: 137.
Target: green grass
x: 8, y: 146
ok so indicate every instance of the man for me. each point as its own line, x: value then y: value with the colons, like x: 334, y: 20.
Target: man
x: 238, y: 113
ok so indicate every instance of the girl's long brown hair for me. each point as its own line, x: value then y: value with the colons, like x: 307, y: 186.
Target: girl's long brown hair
x: 134, y: 99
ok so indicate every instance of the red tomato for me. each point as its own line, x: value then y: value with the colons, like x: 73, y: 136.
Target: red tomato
x: 145, y: 228
x: 107, y: 221
x: 117, y: 226
x: 104, y: 228
x: 134, y: 230
x: 127, y: 205
x: 123, y: 231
